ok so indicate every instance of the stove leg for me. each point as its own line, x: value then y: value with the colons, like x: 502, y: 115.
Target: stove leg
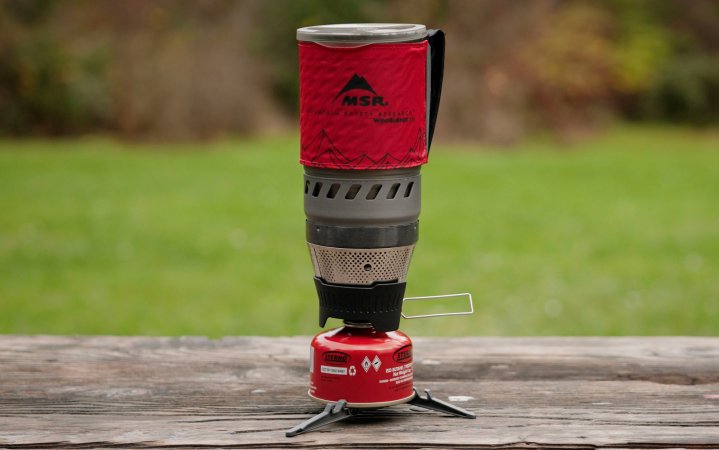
x: 332, y: 413
x: 429, y: 402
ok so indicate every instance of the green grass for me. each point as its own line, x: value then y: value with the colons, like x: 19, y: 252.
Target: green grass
x: 619, y: 235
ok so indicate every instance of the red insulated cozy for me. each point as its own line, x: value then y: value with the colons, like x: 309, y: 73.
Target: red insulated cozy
x: 363, y: 107
x: 365, y: 367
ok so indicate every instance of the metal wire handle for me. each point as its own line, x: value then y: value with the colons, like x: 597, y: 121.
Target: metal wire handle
x: 430, y: 297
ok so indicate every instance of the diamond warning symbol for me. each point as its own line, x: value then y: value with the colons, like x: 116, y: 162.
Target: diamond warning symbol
x: 353, y: 371
x: 366, y: 364
x: 376, y: 363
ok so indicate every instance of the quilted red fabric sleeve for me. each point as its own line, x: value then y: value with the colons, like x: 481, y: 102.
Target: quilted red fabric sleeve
x: 363, y: 107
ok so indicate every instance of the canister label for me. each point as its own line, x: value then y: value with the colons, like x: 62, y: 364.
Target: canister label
x: 362, y: 376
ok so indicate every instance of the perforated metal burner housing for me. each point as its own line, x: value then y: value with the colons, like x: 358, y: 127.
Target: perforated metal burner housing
x: 362, y: 266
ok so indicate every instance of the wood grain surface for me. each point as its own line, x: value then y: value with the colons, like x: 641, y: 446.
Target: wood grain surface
x: 244, y: 392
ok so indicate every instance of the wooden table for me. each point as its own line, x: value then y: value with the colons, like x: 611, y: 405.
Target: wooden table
x: 244, y: 392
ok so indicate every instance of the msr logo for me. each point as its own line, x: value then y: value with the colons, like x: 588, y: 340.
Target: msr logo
x: 359, y: 83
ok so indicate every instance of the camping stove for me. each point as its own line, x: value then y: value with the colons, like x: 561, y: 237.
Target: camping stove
x: 369, y: 96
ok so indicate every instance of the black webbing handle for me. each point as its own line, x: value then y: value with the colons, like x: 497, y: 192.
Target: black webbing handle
x: 435, y: 38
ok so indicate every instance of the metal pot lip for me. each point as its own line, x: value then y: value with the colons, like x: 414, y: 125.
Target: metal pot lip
x: 362, y: 33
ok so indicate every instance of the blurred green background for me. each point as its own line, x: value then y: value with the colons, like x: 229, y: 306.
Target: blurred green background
x: 149, y: 181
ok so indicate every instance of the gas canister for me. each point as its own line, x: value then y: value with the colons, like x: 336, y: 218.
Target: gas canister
x: 365, y: 367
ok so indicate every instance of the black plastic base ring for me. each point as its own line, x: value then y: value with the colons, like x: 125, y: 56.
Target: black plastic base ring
x: 379, y: 304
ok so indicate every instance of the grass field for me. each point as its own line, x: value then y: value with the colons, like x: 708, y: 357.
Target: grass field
x: 619, y: 235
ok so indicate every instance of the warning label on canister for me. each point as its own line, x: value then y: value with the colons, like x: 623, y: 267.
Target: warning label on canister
x: 398, y: 375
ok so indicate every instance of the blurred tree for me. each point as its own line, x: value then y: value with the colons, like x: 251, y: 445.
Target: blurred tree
x: 685, y: 87
x: 686, y: 91
x: 570, y: 65
x: 182, y: 69
x: 484, y: 96
x: 44, y: 87
x: 643, y: 43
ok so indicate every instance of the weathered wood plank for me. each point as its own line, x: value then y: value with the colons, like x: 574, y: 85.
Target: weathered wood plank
x: 138, y: 392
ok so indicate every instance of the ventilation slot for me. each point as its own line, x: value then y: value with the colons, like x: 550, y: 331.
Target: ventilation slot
x: 307, y: 186
x: 372, y: 194
x: 353, y: 191
x: 408, y: 191
x: 333, y: 190
x: 393, y: 191
x: 317, y: 189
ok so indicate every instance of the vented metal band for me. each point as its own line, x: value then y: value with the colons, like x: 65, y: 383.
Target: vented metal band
x: 362, y: 198
x: 360, y: 266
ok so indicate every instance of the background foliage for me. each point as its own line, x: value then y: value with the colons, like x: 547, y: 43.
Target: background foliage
x: 189, y: 69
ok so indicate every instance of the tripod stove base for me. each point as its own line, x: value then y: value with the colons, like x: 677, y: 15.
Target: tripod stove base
x: 334, y: 412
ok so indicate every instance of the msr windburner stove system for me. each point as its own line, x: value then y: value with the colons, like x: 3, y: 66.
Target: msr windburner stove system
x: 369, y: 96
